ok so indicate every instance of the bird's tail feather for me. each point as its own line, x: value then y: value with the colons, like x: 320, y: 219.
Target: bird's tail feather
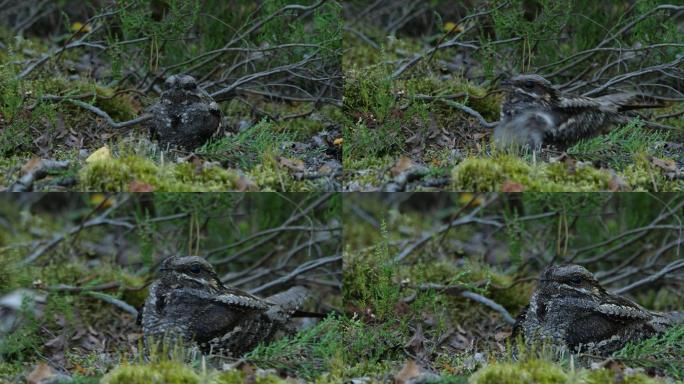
x: 632, y: 101
x: 290, y: 300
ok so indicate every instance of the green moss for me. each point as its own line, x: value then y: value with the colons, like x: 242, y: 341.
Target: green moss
x: 607, y: 376
x: 239, y: 377
x: 532, y: 371
x: 484, y: 174
x: 543, y: 372
x: 270, y: 176
x: 169, y: 372
x: 489, y: 174
x: 118, y: 174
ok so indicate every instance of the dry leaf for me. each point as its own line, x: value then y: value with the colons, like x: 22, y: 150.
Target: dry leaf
x: 101, y: 154
x: 512, y: 186
x: 293, y: 164
x: 30, y: 165
x: 139, y: 186
x: 244, y: 184
x: 402, y: 165
x: 41, y: 372
x: 410, y: 371
x: 666, y: 165
x: 617, y: 184
x: 338, y: 141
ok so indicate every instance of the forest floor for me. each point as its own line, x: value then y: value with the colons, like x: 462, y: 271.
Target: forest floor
x: 57, y: 145
x: 414, y: 323
x: 407, y: 131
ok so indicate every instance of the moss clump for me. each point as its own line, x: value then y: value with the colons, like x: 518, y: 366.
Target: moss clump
x: 238, y: 377
x: 488, y: 174
x: 169, y: 372
x: 606, y: 376
x: 644, y: 176
x: 545, y: 372
x: 531, y: 371
x: 120, y: 175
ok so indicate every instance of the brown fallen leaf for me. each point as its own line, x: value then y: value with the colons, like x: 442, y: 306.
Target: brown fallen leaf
x: 244, y: 184
x: 293, y: 164
x: 512, y: 186
x: 41, y: 372
x: 617, y: 184
x: 402, y: 165
x: 139, y: 186
x: 30, y: 165
x: 410, y: 371
x: 666, y: 165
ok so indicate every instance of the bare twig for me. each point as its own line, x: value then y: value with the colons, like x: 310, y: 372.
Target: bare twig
x: 114, y: 301
x: 108, y: 118
x: 471, y: 217
x: 25, y: 183
x: 673, y: 266
x: 312, y: 264
x: 460, y: 291
x: 471, y: 112
x: 97, y: 221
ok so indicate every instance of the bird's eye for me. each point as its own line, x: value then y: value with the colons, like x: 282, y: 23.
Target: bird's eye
x: 195, y: 269
x: 576, y: 280
x: 529, y: 84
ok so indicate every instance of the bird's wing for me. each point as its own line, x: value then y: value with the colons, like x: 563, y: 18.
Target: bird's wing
x: 592, y: 327
x: 230, y: 297
x: 621, y: 307
x: 578, y: 102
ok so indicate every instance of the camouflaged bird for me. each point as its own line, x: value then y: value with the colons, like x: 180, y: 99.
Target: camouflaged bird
x: 185, y: 116
x: 571, y: 310
x: 560, y: 119
x: 188, y: 301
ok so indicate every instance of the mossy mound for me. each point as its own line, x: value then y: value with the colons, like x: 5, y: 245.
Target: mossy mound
x: 490, y: 174
x: 545, y: 372
x: 133, y: 173
x: 532, y: 371
x: 174, y: 372
x: 164, y: 372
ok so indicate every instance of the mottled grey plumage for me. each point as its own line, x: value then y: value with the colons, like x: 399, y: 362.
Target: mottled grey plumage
x: 189, y: 302
x: 570, y: 309
x: 525, y: 130
x: 185, y: 116
x: 571, y: 118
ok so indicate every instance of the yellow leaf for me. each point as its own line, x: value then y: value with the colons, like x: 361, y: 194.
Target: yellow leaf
x: 100, y: 199
x: 78, y: 26
x: 99, y: 155
x: 465, y: 198
x: 451, y: 26
x: 338, y: 141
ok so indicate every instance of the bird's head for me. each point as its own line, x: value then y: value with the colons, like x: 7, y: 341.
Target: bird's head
x: 189, y: 271
x: 529, y: 88
x: 180, y: 88
x: 569, y: 280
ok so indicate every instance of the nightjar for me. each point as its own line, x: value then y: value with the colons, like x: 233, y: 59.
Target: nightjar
x: 185, y: 116
x: 532, y: 106
x: 189, y: 302
x: 571, y: 309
